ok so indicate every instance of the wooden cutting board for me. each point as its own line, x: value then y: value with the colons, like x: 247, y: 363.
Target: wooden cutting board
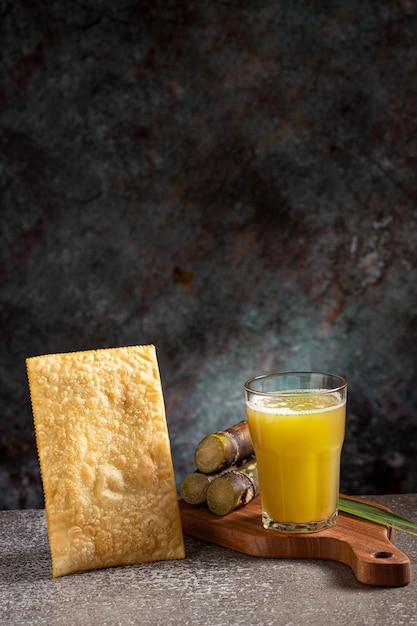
x: 365, y: 547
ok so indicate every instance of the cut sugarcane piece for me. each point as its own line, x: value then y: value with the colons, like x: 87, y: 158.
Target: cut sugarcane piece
x: 233, y: 489
x: 193, y: 488
x: 224, y: 448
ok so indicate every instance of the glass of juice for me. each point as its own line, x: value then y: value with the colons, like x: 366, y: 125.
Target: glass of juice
x: 297, y: 425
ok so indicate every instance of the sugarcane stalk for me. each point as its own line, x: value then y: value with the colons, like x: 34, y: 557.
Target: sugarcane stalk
x: 233, y: 489
x: 193, y: 488
x: 224, y: 448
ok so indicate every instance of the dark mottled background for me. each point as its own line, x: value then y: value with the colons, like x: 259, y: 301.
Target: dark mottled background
x: 233, y: 181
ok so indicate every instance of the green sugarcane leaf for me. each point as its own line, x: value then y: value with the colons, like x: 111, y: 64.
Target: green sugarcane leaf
x: 373, y: 513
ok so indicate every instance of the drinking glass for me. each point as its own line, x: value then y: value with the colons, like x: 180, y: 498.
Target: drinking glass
x: 297, y: 425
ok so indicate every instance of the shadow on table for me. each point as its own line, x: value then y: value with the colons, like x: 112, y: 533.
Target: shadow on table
x: 25, y: 566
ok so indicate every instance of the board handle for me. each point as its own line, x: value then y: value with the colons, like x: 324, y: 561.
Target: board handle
x: 379, y: 562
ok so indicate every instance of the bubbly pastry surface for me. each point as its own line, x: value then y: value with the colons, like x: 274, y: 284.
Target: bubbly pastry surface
x: 105, y: 458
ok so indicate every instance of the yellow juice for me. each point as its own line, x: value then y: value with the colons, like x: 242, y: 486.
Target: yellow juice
x: 297, y: 440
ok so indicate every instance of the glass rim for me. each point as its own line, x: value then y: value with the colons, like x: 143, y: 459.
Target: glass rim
x: 284, y: 392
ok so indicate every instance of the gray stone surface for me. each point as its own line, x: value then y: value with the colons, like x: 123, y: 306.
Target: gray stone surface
x: 235, y: 182
x: 212, y: 585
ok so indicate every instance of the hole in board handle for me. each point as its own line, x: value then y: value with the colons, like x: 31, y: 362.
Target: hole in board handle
x: 382, y: 555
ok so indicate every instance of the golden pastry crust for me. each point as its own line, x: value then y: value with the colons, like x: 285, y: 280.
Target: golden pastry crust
x: 105, y: 458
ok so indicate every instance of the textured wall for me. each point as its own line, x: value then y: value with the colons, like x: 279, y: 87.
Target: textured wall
x: 233, y: 181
